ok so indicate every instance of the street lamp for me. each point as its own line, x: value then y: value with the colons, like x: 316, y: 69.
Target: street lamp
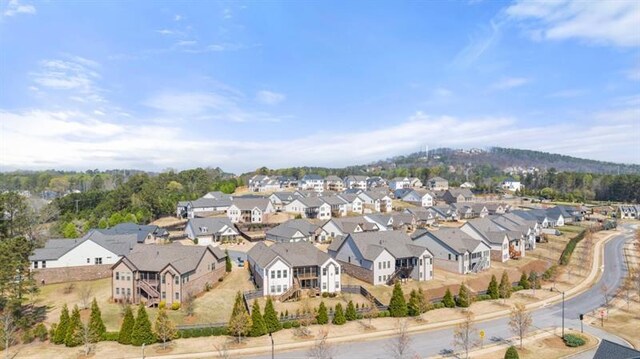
x: 272, y: 347
x: 562, y: 315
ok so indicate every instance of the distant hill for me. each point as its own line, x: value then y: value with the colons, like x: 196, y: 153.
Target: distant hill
x: 505, y: 158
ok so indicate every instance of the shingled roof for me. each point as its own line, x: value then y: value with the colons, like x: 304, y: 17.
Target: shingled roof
x: 119, y: 244
x: 297, y: 254
x: 154, y: 258
x: 371, y: 244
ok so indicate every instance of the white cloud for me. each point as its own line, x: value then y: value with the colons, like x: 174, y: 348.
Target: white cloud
x: 186, y: 43
x: 270, y: 97
x: 178, y: 17
x: 442, y: 92
x: 479, y: 43
x: 165, y: 32
x: 599, y: 22
x: 76, y: 75
x: 509, y: 83
x: 14, y: 7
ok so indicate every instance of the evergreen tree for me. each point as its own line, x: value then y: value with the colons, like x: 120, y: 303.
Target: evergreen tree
x: 63, y: 325
x: 142, y: 332
x: 74, y: 331
x: 351, y: 313
x: 227, y: 261
x: 423, y: 303
x: 524, y: 281
x: 338, y: 316
x: 505, y: 286
x: 271, y: 317
x: 463, y: 300
x: 413, y: 308
x: 492, y: 291
x: 511, y: 353
x: 258, y: 326
x: 238, y: 305
x: 124, y: 337
x: 96, y: 325
x: 397, y: 305
x: 447, y: 300
x: 534, y: 280
x: 322, y: 317
x: 240, y: 321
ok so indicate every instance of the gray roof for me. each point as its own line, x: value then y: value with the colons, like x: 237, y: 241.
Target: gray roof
x: 213, y: 225
x: 611, y: 350
x: 297, y: 254
x: 141, y: 231
x: 437, y: 179
x: 311, y: 201
x: 286, y: 196
x: 312, y: 177
x: 247, y: 204
x: 375, y: 194
x: 333, y: 200
x: 219, y: 195
x: 454, y: 238
x: 455, y: 192
x: 349, y: 197
x: 333, y: 178
x: 210, y: 202
x: 154, y: 257
x: 356, y: 178
x: 289, y: 228
x: 371, y: 244
x: 119, y: 244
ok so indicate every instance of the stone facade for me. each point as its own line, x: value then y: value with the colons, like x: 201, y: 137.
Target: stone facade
x: 357, y: 272
x: 199, y: 284
x: 71, y: 274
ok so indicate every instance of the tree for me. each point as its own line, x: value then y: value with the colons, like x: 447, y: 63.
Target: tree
x: 258, y: 326
x: 399, y: 347
x: 142, y: 332
x: 7, y: 332
x: 511, y: 353
x: 505, y: 286
x: 103, y: 223
x: 463, y: 300
x: 492, y: 290
x: 423, y: 303
x: 338, y: 316
x: 63, y: 325
x: 70, y: 230
x: 447, y: 300
x: 322, y: 317
x: 305, y: 319
x: 397, y: 305
x: 524, y: 281
x: 534, y: 281
x: 95, y: 323
x: 604, y: 290
x: 373, y: 312
x: 271, y: 317
x: 413, y: 308
x: 126, y: 329
x: 240, y: 321
x: 227, y: 262
x: 86, y: 338
x: 189, y: 304
x: 18, y: 218
x: 463, y: 334
x: 85, y: 294
x: 322, y: 349
x: 519, y: 321
x: 351, y: 313
x: 73, y: 338
x: 165, y: 330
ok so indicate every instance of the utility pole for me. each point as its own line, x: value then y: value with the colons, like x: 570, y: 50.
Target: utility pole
x: 562, y: 315
x: 272, y: 347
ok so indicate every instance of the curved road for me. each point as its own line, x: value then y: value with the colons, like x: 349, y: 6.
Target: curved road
x: 435, y: 342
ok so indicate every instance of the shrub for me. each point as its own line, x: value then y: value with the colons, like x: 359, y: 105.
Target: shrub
x: 512, y: 353
x: 111, y: 336
x: 351, y: 312
x: 175, y: 305
x: 524, y: 281
x: 571, y: 246
x: 505, y: 286
x: 52, y: 331
x: 463, y: 299
x: 517, y: 288
x: 384, y: 314
x: 287, y: 325
x: 492, y: 290
x: 398, y: 305
x: 339, y: 318
x: 27, y: 337
x: 325, y: 295
x: 573, y: 340
x: 207, y: 286
x: 162, y: 304
x: 202, y: 332
x: 550, y: 272
x: 322, y: 317
x: 438, y: 305
x: 40, y: 331
x: 295, y: 324
x: 447, y: 300
x: 481, y: 297
x: 220, y: 279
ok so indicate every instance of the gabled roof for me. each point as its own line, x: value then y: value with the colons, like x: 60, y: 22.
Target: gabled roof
x: 218, y: 195
x: 375, y: 195
x: 210, y: 202
x: 312, y: 177
x: 248, y: 204
x: 213, y: 225
x: 333, y: 178
x: 141, y: 231
x: 311, y: 202
x: 349, y: 197
x: 453, y: 238
x: 297, y: 254
x: 119, y: 244
x: 455, y: 192
x: 356, y: 178
x: 333, y: 200
x: 286, y: 196
x: 289, y: 228
x: 611, y: 350
x: 437, y: 179
x: 397, y: 243
x: 183, y: 258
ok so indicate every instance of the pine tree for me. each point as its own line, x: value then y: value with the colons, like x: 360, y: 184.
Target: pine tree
x: 351, y: 313
x: 505, y: 286
x: 397, y: 305
x: 271, y: 317
x: 227, y: 261
x: 322, y: 317
x: 96, y: 325
x: 338, y: 316
x: 447, y: 300
x: 73, y: 337
x: 423, y: 303
x: 463, y: 300
x: 142, y: 332
x: 240, y: 321
x: 413, y: 308
x: 63, y: 325
x: 165, y: 330
x: 492, y: 291
x: 258, y: 326
x: 238, y: 305
x: 524, y: 282
x: 124, y: 337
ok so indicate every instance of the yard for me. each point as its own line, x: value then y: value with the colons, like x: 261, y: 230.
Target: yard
x: 314, y: 302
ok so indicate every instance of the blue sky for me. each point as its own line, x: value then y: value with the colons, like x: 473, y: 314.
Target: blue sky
x: 244, y: 84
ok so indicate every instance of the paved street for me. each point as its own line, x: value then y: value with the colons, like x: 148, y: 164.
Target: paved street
x: 439, y: 341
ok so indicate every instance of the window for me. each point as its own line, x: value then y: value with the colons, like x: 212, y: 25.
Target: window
x: 177, y: 295
x: 44, y: 264
x: 273, y: 274
x: 279, y: 288
x: 284, y: 273
x: 88, y: 260
x: 279, y: 274
x: 177, y: 280
x: 337, y: 270
x: 273, y: 289
x: 164, y: 279
x: 128, y: 292
x: 379, y: 278
x: 456, y: 257
x: 388, y: 264
x: 117, y: 275
x: 324, y: 271
x: 164, y: 295
x: 379, y: 265
x: 324, y: 286
x: 284, y: 288
x: 337, y: 284
x: 35, y: 264
x: 98, y: 260
x: 118, y: 291
x: 128, y: 276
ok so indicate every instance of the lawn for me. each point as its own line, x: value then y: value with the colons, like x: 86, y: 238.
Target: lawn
x: 314, y: 302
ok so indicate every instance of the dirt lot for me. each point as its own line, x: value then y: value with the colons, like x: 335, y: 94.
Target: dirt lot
x: 549, y: 347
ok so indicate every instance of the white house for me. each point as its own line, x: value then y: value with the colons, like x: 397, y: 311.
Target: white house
x: 356, y: 182
x: 354, y: 203
x: 210, y: 231
x: 399, y: 182
x: 284, y: 269
x: 309, y: 207
x: 376, y: 201
x: 249, y: 210
x: 333, y: 183
x: 512, y: 185
x: 454, y: 250
x: 312, y: 182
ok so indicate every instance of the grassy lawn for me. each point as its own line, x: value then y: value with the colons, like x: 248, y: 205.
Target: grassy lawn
x: 314, y: 302
x: 571, y: 229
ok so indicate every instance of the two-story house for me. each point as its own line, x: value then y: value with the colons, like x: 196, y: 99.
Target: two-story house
x: 438, y: 184
x: 333, y: 183
x: 356, y: 182
x: 249, y: 210
x: 376, y: 201
x: 309, y: 207
x: 312, y: 182
x: 458, y: 195
x: 296, y: 230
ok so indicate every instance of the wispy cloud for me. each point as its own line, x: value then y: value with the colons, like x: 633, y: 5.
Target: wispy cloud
x: 479, y: 43
x: 634, y: 73
x: 14, y: 7
x: 270, y: 97
x: 509, y: 83
x: 76, y: 75
x: 569, y: 93
x: 598, y: 22
x: 178, y: 17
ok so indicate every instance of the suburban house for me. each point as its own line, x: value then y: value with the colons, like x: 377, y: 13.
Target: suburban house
x: 512, y: 185
x: 218, y: 195
x: 94, y: 249
x: 144, y: 233
x: 357, y: 182
x: 445, y: 213
x: 353, y: 203
x: 333, y: 183
x: 438, y: 184
x: 382, y: 257
x: 458, y: 195
x: 416, y: 197
x: 256, y: 181
x: 171, y: 273
x: 454, y: 250
x: 339, y: 206
x: 281, y: 199
x: 339, y: 227
x: 505, y: 244
x: 202, y: 207
x: 628, y: 212
x: 210, y: 231
x: 468, y: 185
x: 465, y: 211
x: 399, y: 182
x: 249, y: 210
x: 423, y: 216
x: 284, y: 269
x: 312, y: 182
x: 309, y: 207
x: 415, y: 182
x: 376, y: 201
x: 392, y: 221
x: 530, y: 230
x: 296, y: 230
x: 376, y: 182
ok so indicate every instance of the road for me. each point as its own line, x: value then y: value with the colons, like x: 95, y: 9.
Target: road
x: 437, y: 342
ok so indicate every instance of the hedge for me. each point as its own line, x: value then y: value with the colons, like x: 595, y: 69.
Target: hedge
x: 571, y: 246
x: 111, y: 336
x: 573, y: 340
x: 202, y: 332
x: 481, y: 297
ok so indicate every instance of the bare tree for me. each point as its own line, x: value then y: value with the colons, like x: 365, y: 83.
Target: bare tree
x: 189, y: 304
x: 305, y: 319
x: 165, y: 330
x: 400, y: 346
x: 240, y: 324
x: 222, y: 350
x: 373, y: 312
x: 626, y: 289
x: 87, y: 338
x: 7, y: 331
x: 520, y: 321
x: 322, y: 349
x: 605, y: 294
x: 85, y: 293
x: 464, y: 334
